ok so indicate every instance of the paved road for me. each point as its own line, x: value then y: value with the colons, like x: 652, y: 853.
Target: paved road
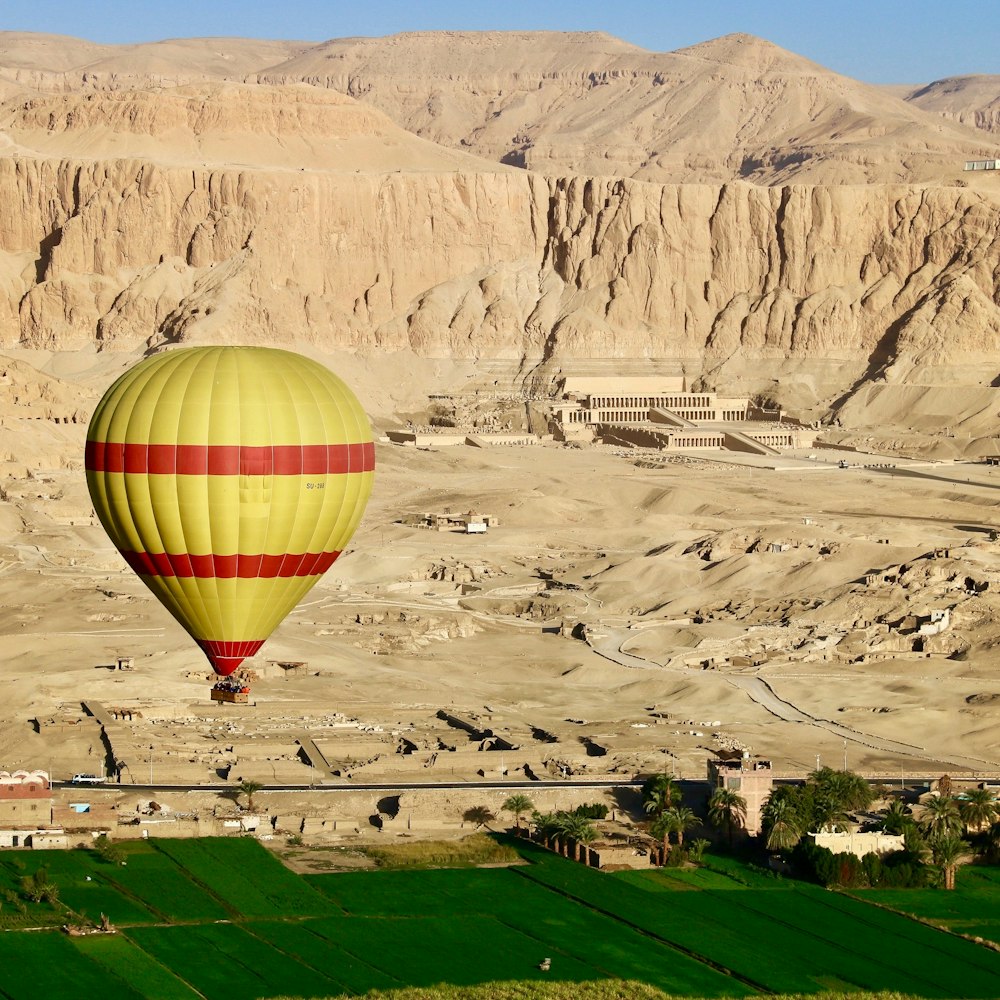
x: 762, y: 693
x: 758, y: 690
x: 370, y: 786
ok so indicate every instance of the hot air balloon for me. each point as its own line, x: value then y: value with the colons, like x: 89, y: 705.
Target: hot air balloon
x: 230, y: 479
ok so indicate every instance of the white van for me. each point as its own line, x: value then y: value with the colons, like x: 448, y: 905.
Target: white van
x: 87, y: 779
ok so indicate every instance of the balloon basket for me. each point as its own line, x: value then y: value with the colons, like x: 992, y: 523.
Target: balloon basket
x: 231, y: 697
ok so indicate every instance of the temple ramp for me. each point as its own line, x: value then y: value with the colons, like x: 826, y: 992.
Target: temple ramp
x: 737, y: 441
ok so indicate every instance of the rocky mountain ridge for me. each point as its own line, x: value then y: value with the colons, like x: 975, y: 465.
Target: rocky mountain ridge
x: 874, y: 281
x: 586, y: 103
x: 285, y: 213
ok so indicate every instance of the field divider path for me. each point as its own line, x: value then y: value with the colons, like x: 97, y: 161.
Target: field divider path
x: 248, y: 926
x: 827, y: 942
x: 673, y: 945
x: 832, y: 900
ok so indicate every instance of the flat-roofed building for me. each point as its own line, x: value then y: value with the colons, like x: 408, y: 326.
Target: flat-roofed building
x: 25, y: 798
x: 751, y: 778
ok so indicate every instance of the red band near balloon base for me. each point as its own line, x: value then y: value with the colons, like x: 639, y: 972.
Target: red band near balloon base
x: 252, y: 566
x: 225, y: 657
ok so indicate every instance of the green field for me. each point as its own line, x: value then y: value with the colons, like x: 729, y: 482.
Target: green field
x: 119, y: 957
x: 224, y: 920
x: 972, y: 908
x: 164, y: 887
x: 250, y: 880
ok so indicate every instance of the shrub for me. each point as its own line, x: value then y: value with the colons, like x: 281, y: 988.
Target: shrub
x: 591, y: 810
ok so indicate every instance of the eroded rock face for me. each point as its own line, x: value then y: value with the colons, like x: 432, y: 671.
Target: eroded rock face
x: 505, y: 265
x: 125, y: 251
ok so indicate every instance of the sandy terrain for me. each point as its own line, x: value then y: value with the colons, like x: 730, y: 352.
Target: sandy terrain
x: 668, y: 570
x: 629, y: 612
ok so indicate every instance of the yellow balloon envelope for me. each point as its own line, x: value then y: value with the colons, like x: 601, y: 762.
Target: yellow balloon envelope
x: 230, y: 479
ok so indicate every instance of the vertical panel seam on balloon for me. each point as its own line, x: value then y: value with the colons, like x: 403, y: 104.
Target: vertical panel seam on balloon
x: 270, y: 510
x: 196, y: 607
x: 216, y: 354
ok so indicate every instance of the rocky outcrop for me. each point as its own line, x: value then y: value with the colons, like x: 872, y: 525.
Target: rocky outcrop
x: 733, y: 108
x: 125, y: 251
x: 969, y: 100
x: 508, y: 265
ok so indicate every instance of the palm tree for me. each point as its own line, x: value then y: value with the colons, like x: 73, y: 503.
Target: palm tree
x: 544, y: 824
x: 680, y: 820
x: 978, y: 810
x: 782, y: 824
x: 659, y: 793
x: 250, y: 788
x: 726, y: 807
x: 946, y: 851
x: 565, y: 830
x: 661, y: 828
x: 518, y: 805
x: 697, y: 849
x: 583, y: 831
x: 897, y: 816
x: 941, y: 816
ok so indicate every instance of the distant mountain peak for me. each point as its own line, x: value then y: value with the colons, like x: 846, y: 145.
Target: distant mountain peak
x: 750, y: 52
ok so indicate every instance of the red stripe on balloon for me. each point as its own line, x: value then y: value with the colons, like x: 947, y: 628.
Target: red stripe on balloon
x: 210, y: 566
x: 225, y: 657
x: 230, y: 459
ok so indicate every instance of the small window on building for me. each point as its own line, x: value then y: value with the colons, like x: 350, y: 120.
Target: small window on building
x: 733, y: 783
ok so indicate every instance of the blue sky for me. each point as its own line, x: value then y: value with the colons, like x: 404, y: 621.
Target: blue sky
x: 881, y: 42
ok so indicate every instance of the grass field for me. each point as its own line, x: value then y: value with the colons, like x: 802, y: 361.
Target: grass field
x: 572, y: 935
x: 821, y: 946
x: 46, y: 964
x: 164, y: 888
x: 250, y: 880
x: 972, y: 908
x: 124, y: 960
x: 224, y: 920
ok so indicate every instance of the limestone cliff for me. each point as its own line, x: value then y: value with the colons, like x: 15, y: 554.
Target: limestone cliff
x: 511, y: 265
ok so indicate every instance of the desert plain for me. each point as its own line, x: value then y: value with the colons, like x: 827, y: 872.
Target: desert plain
x: 456, y: 245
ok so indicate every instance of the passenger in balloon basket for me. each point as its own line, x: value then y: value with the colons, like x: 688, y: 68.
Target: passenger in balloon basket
x: 234, y: 685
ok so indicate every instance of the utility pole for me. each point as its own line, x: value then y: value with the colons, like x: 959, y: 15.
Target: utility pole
x: 845, y: 754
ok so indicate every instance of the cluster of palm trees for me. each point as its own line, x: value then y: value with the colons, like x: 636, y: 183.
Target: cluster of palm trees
x: 561, y: 831
x: 727, y: 810
x: 670, y: 820
x: 943, y: 821
x: 823, y: 802
x: 827, y: 797
x: 661, y: 799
